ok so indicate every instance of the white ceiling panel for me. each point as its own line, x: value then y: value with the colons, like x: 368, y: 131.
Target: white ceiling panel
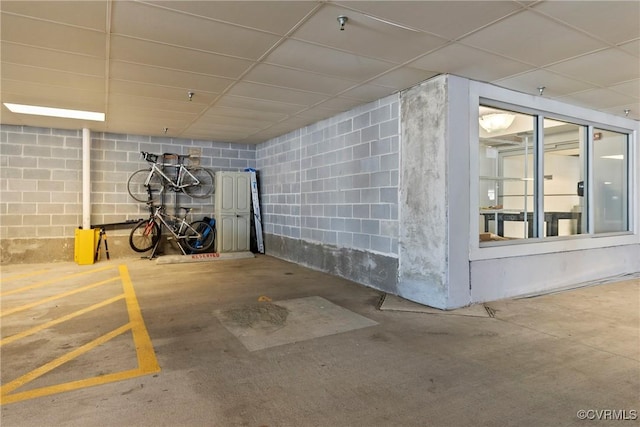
x: 173, y: 57
x: 306, y: 56
x: 52, y: 77
x: 23, y: 92
x: 365, y: 36
x: 87, y: 14
x: 402, y: 78
x: 462, y: 60
x: 275, y: 93
x: 38, y: 33
x: 598, y: 67
x: 612, y: 21
x: 555, y: 85
x: 274, y: 16
x: 448, y: 19
x: 13, y: 53
x: 164, y: 77
x: 159, y: 92
x: 599, y: 99
x: 260, y: 69
x: 179, y: 29
x: 533, y: 39
x: 297, y: 79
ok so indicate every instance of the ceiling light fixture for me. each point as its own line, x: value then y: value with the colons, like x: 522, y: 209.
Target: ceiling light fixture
x: 496, y: 121
x: 614, y: 157
x: 55, y: 112
x: 342, y: 20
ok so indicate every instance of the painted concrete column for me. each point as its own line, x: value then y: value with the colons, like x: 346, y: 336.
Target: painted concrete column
x: 434, y: 208
x: 86, y: 179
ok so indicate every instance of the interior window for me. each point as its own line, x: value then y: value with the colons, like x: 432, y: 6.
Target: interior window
x: 507, y: 175
x: 610, y: 177
x: 540, y: 183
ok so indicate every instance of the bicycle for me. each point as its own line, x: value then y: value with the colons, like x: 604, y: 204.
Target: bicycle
x: 198, y: 236
x: 146, y: 185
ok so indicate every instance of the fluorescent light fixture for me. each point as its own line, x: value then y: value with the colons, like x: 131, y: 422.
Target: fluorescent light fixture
x: 614, y: 156
x: 496, y: 121
x: 55, y: 112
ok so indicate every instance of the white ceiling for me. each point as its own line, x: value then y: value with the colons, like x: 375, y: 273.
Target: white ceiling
x: 260, y: 69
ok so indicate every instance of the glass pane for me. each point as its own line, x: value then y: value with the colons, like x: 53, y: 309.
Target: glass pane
x: 506, y: 174
x: 563, y: 170
x: 610, y: 176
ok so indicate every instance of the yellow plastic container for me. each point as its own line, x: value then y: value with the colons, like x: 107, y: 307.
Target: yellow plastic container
x: 85, y: 246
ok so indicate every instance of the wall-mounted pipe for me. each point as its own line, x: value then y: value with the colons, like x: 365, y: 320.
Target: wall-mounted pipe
x: 86, y: 179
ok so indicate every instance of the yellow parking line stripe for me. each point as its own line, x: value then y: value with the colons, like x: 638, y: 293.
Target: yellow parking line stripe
x: 58, y: 296
x: 73, y: 385
x: 22, y: 276
x: 59, y: 320
x: 147, y: 360
x: 18, y: 382
x: 54, y: 280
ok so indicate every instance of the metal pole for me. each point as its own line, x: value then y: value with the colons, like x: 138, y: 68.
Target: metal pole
x: 86, y: 179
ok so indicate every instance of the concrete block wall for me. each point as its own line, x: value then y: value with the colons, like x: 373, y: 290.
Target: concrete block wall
x: 334, y: 186
x: 41, y: 171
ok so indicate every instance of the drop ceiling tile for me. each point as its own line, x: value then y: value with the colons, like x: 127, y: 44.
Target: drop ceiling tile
x: 51, y: 96
x: 296, y: 79
x: 274, y: 16
x: 141, y: 102
x: 323, y: 60
x: 164, y: 77
x: 448, y: 19
x: 51, y: 77
x: 606, y: 67
x: 171, y: 57
x: 340, y: 104
x: 403, y: 78
x: 612, y: 21
x: 555, y: 84
x: 631, y: 88
x: 256, y: 115
x: 316, y: 114
x: 179, y: 29
x: 367, y: 92
x: 50, y: 35
x: 598, y: 99
x: 87, y: 14
x: 36, y: 57
x: 159, y: 118
x: 257, y: 104
x: 532, y: 38
x: 632, y: 47
x: 275, y: 93
x: 634, y: 110
x: 159, y: 92
x: 365, y: 36
x: 202, y: 126
x: 468, y: 62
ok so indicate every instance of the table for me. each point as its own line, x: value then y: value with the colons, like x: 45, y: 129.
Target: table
x: 551, y: 219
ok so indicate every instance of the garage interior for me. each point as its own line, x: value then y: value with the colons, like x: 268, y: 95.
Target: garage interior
x: 372, y: 301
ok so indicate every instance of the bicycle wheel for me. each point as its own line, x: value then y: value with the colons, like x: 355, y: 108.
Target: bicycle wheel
x: 199, y: 236
x: 139, y: 191
x: 201, y: 188
x: 144, y: 235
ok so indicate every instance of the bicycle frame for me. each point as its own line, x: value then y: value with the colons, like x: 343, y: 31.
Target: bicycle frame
x: 178, y: 232
x: 182, y: 172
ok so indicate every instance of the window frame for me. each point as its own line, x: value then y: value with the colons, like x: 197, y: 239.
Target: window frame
x: 482, y: 94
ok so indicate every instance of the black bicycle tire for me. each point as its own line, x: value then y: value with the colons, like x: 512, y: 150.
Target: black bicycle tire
x: 199, y: 246
x: 139, y: 191
x: 206, y: 186
x: 140, y: 239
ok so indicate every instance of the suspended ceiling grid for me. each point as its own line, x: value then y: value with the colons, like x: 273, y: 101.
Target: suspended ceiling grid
x: 261, y: 69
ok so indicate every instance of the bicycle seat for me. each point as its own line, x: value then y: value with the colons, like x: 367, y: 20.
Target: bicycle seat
x: 186, y: 209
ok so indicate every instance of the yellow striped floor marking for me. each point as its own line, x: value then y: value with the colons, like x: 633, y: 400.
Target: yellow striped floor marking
x: 147, y: 361
x: 49, y: 282
x: 55, y: 297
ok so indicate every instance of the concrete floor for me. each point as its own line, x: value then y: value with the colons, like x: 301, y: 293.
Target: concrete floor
x: 538, y: 362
